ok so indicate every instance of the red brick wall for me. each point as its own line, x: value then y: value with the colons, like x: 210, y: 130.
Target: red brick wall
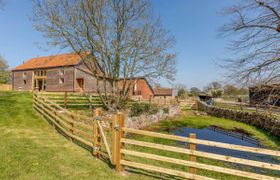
x: 145, y: 89
x: 141, y: 85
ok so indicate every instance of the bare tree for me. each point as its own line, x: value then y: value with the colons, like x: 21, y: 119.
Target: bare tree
x: 213, y: 85
x: 118, y: 39
x: 255, y: 26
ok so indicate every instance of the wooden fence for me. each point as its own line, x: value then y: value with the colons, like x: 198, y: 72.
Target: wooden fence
x: 70, y: 99
x: 158, y: 101
x: 120, y: 151
x: 91, y: 132
x: 267, y: 109
x: 110, y: 138
x: 5, y: 87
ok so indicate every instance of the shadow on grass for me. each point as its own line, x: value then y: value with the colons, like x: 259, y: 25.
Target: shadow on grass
x: 101, y: 156
x: 152, y: 174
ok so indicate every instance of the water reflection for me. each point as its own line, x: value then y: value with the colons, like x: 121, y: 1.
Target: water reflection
x: 231, y: 137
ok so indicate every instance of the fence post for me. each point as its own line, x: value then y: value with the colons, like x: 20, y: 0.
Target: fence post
x: 120, y: 120
x: 114, y: 137
x: 96, y: 135
x: 34, y: 96
x: 90, y: 101
x: 65, y: 99
x: 192, y: 158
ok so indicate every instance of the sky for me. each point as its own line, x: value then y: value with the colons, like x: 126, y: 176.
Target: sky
x: 194, y: 24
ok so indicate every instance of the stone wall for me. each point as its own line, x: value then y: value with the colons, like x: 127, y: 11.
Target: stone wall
x: 145, y: 120
x: 260, y: 120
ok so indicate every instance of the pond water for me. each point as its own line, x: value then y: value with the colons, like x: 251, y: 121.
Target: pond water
x: 232, y: 137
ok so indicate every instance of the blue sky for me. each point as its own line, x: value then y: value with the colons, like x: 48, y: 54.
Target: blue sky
x: 194, y: 23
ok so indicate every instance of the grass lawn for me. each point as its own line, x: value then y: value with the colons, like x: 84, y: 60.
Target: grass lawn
x: 31, y: 149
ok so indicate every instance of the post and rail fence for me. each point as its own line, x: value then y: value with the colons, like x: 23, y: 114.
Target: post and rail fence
x: 111, y: 138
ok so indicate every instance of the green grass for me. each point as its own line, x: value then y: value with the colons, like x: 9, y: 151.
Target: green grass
x: 31, y: 149
x: 201, y: 121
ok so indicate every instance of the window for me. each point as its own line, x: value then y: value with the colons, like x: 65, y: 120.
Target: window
x: 40, y: 73
x: 24, y: 74
x: 61, y: 72
x: 24, y: 82
x: 61, y: 80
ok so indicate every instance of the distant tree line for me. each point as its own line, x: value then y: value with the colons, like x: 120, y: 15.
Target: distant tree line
x: 214, y: 89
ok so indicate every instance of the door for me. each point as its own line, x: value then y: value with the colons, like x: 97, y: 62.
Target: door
x: 80, y: 85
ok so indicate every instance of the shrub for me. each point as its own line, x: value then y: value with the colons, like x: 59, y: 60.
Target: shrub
x: 166, y: 110
x: 140, y: 108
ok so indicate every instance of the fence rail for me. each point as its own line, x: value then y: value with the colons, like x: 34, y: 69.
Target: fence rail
x: 5, y: 87
x: 90, y: 132
x: 95, y: 132
x: 69, y: 99
x: 192, y: 163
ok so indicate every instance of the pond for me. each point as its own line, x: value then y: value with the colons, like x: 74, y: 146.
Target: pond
x: 238, y: 137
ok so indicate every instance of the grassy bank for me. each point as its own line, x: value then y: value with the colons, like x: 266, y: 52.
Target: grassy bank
x: 31, y: 149
x: 201, y: 121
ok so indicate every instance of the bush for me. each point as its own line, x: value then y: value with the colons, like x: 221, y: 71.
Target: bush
x: 166, y: 110
x: 140, y: 108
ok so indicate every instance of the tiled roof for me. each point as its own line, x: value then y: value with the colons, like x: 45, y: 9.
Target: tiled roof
x: 50, y: 61
x: 163, y: 91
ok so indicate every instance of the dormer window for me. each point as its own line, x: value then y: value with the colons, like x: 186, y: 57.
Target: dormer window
x: 61, y: 72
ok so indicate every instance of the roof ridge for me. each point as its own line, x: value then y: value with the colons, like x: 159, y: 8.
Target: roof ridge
x: 54, y: 55
x: 66, y: 59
